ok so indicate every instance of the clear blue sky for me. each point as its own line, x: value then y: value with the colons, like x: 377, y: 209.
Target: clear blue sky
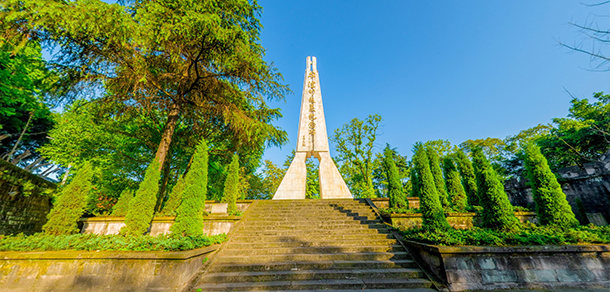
x: 453, y: 70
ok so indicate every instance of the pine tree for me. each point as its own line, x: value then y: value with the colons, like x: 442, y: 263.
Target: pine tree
x: 497, y: 212
x: 457, y: 194
x: 70, y: 205
x: 468, y: 178
x: 552, y: 206
x: 430, y: 205
x: 175, y: 198
x: 231, y: 191
x: 142, y: 206
x: 395, y: 190
x: 121, y: 207
x: 439, y: 182
x: 189, y: 218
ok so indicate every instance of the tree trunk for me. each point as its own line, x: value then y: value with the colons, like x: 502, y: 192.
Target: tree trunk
x: 63, y: 181
x: 10, y: 155
x: 164, y: 180
x: 168, y: 133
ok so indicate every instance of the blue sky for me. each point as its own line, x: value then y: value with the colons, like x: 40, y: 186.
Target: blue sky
x: 453, y: 70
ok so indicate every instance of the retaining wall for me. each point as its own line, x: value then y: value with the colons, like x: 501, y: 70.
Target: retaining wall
x: 456, y: 220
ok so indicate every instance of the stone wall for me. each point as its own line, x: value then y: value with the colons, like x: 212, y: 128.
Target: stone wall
x: 456, y: 220
x: 212, y: 225
x: 24, y: 200
x: 590, y: 184
x: 385, y: 202
x: 527, y: 267
x: 110, y: 271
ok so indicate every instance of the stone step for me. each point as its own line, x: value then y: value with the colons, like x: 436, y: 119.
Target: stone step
x: 305, y: 238
x: 226, y: 258
x: 313, y: 250
x: 292, y: 244
x: 320, y: 217
x: 311, y: 222
x: 321, y: 265
x: 318, y: 284
x: 302, y: 275
x: 363, y: 290
x: 315, y: 208
x: 336, y: 226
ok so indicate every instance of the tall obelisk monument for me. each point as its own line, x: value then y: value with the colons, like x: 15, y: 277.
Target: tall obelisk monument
x: 312, y: 141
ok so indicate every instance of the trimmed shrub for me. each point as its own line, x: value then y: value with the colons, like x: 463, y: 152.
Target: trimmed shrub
x: 552, y: 206
x: 231, y: 191
x: 468, y: 178
x: 189, y: 218
x: 121, y: 207
x: 142, y: 206
x: 415, y: 182
x: 457, y: 195
x: 433, y: 216
x: 175, y: 198
x: 71, y: 204
x: 395, y: 190
x: 497, y: 211
x: 437, y: 174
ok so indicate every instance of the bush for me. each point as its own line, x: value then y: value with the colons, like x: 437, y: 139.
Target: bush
x: 70, y: 205
x: 552, y: 206
x: 433, y: 216
x: 457, y: 194
x: 189, y: 218
x: 437, y: 175
x: 175, y: 198
x: 231, y: 191
x: 142, y: 206
x: 529, y: 234
x: 92, y: 242
x: 497, y: 211
x: 121, y: 207
x: 395, y: 190
x: 468, y: 177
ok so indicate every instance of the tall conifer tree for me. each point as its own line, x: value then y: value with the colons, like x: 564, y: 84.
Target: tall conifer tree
x: 70, y: 205
x: 121, y: 207
x: 468, y: 178
x: 395, y: 190
x: 175, y: 197
x: 497, y: 212
x: 142, y: 206
x: 552, y: 206
x: 437, y: 173
x: 430, y: 205
x: 231, y: 191
x: 189, y: 218
x: 457, y: 194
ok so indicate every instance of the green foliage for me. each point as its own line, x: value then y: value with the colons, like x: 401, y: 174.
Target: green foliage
x: 263, y: 186
x: 415, y: 182
x: 121, y: 207
x: 432, y: 212
x: 189, y: 220
x: 232, y: 186
x: 583, y: 136
x: 457, y: 194
x: 92, y: 242
x: 142, y: 206
x: 526, y: 235
x: 468, y: 178
x: 395, y: 191
x: 552, y: 206
x: 70, y: 204
x: 354, y: 143
x: 175, y: 198
x: 497, y: 212
x: 437, y: 174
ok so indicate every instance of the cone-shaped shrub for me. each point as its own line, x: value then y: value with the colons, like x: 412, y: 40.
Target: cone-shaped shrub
x: 497, y: 211
x: 430, y: 205
x: 457, y: 194
x: 395, y: 190
x: 231, y: 191
x: 468, y: 178
x: 189, y: 218
x: 175, y: 198
x: 439, y: 182
x: 121, y: 207
x: 415, y: 182
x: 70, y: 205
x: 142, y: 206
x: 552, y: 206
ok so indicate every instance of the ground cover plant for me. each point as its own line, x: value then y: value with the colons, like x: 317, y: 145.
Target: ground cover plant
x: 92, y: 242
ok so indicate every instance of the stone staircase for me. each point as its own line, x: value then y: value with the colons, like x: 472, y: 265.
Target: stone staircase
x: 313, y: 245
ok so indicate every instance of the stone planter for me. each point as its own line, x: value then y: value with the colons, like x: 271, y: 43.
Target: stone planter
x: 533, y: 267
x: 100, y: 270
x: 456, y: 220
x: 212, y: 225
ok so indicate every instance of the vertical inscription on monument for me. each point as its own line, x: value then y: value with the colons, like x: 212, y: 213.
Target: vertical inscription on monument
x: 312, y: 110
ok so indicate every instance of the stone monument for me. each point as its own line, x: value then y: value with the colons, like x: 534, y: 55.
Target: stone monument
x: 312, y: 141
